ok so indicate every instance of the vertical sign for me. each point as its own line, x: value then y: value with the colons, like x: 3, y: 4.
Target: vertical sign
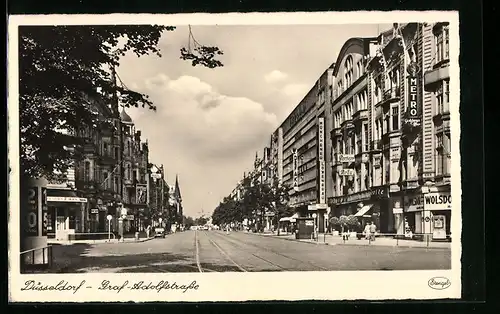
x: 31, y: 227
x: 321, y: 139
x: 280, y: 155
x: 295, y: 165
x: 45, y: 218
x: 141, y: 191
x: 413, y: 108
x: 321, y: 158
x: 322, y: 182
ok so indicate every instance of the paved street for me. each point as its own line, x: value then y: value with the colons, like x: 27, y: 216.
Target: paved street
x: 215, y: 251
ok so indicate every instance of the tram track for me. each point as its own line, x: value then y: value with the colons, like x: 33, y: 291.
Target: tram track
x: 235, y: 241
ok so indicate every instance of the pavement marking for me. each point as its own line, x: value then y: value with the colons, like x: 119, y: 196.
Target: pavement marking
x: 197, y: 251
x: 226, y: 255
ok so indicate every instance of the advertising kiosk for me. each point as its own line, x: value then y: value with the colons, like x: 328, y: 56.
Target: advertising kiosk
x: 305, y: 228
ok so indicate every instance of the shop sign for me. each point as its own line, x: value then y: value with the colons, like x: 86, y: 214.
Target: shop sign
x: 66, y: 199
x: 321, y: 139
x: 322, y: 182
x: 345, y: 158
x: 321, y: 206
x: 437, y: 201
x: 311, y: 207
x: 396, y: 210
x: 361, y: 196
x: 94, y: 210
x: 295, y: 165
x: 141, y: 191
x: 347, y: 172
x: 129, y: 217
x: 413, y: 112
x: 379, y: 192
x: 414, y: 204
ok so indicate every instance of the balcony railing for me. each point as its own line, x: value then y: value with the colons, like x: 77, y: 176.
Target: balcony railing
x: 376, y: 145
x: 392, y: 93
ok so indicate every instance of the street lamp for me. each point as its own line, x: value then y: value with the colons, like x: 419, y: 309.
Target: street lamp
x: 314, y: 225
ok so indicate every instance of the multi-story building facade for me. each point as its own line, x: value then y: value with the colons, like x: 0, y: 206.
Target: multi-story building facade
x: 158, y: 196
x: 372, y: 136
x: 135, y: 175
x: 387, y: 120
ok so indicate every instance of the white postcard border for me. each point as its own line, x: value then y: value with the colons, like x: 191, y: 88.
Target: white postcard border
x: 337, y: 285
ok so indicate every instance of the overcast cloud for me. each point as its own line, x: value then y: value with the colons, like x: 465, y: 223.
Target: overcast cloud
x: 210, y: 122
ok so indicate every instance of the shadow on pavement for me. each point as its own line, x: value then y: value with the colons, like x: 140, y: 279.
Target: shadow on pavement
x: 73, y: 259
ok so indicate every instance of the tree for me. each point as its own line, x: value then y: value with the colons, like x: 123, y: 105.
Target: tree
x: 280, y: 198
x: 201, y: 221
x: 62, y: 69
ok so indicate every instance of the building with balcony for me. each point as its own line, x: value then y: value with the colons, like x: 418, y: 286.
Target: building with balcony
x: 390, y: 134
x: 135, y: 175
x: 80, y: 204
x: 350, y: 113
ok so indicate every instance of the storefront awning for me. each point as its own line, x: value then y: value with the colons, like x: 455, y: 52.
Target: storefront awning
x: 65, y: 196
x: 294, y: 216
x: 363, y: 211
x: 285, y: 219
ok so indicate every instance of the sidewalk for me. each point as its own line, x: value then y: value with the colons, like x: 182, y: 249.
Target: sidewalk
x: 380, y: 241
x: 103, y: 241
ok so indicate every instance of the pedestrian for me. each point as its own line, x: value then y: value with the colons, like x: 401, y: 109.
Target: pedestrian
x: 366, y: 231
x: 148, y: 230
x: 373, y: 229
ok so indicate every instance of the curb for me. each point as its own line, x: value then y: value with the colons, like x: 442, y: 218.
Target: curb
x: 295, y: 240
x: 107, y: 242
x: 354, y: 244
x: 397, y: 246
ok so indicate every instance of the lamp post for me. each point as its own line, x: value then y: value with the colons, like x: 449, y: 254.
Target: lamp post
x: 314, y: 226
x: 109, y: 217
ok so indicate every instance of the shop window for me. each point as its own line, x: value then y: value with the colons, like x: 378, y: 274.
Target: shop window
x: 72, y: 222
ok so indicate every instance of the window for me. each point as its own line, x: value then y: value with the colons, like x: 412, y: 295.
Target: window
x: 117, y: 185
x: 442, y: 45
x: 395, y: 118
x: 349, y: 71
x: 443, y: 97
x: 117, y: 152
x: 365, y: 138
x: 86, y: 171
x: 129, y: 172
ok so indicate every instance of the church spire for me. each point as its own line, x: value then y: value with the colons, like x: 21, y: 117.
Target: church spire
x: 177, y: 191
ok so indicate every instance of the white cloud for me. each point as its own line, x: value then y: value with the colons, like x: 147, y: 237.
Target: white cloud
x: 199, y: 132
x: 275, y: 76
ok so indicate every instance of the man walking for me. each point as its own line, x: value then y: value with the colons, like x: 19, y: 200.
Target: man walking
x: 373, y: 229
x: 367, y: 231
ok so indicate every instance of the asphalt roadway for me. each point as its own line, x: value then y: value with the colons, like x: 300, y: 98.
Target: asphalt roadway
x: 216, y: 251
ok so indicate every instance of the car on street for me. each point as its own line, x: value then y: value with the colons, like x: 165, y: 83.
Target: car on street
x: 159, y: 232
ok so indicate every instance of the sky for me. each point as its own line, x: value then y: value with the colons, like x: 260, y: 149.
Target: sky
x: 210, y: 123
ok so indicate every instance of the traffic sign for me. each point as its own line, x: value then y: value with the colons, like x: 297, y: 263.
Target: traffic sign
x: 109, y: 217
